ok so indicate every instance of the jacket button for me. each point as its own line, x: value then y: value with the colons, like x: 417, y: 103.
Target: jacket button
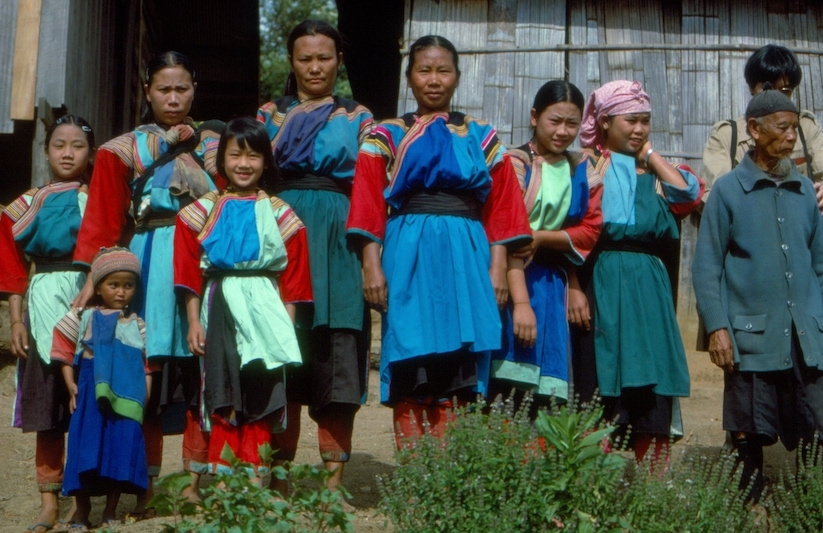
x: 802, y: 332
x: 748, y: 326
x: 786, y: 362
x: 786, y: 332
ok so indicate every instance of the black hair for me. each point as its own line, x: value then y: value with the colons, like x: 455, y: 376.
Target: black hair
x: 80, y: 122
x: 248, y: 132
x: 770, y: 63
x: 429, y: 41
x: 85, y: 127
x: 157, y: 63
x: 556, y: 91
x: 309, y: 27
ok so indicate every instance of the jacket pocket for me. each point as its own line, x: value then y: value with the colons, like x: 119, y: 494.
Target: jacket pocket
x: 750, y: 333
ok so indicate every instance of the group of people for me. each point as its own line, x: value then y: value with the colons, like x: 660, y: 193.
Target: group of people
x: 230, y: 269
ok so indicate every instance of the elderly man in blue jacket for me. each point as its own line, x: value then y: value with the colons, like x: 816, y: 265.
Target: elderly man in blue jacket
x: 758, y: 278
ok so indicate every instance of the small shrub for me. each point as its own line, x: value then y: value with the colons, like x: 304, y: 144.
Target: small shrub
x: 695, y: 494
x: 492, y: 473
x: 796, y: 499
x: 233, y: 504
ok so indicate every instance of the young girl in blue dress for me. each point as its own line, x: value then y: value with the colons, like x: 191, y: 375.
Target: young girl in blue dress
x: 102, y: 350
x: 241, y: 262
x: 40, y: 228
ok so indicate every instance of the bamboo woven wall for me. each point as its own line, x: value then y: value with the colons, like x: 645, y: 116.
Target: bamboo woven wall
x: 689, y: 54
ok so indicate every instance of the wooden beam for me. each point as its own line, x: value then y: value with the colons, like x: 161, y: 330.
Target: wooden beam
x: 24, y: 71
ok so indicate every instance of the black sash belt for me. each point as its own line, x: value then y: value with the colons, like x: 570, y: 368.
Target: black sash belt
x: 635, y: 247
x: 312, y: 182
x: 155, y: 220
x: 45, y: 265
x: 439, y: 202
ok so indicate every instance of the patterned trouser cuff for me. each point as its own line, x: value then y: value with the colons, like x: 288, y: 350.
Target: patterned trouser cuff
x: 195, y: 467
x: 50, y: 487
x: 254, y: 471
x: 337, y: 457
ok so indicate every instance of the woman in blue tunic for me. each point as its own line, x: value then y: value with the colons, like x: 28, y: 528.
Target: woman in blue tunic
x: 641, y: 364
x: 562, y: 196
x: 437, y: 190
x: 314, y: 138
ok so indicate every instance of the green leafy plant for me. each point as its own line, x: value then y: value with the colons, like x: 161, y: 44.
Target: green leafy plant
x: 496, y: 471
x: 796, y: 499
x: 233, y: 503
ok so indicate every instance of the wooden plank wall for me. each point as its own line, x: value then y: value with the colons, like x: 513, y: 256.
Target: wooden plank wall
x: 690, y: 89
x: 8, y: 24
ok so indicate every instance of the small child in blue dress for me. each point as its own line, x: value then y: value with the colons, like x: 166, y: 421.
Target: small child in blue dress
x: 103, y: 347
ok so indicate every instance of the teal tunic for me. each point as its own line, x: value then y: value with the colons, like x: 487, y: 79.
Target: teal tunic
x: 637, y: 340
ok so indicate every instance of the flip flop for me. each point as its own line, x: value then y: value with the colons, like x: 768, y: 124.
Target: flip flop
x: 47, y: 526
x: 79, y: 527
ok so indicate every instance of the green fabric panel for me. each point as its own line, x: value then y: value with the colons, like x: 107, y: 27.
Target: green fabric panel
x: 551, y: 204
x: 121, y: 406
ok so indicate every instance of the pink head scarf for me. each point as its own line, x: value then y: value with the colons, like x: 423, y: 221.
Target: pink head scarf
x: 619, y: 97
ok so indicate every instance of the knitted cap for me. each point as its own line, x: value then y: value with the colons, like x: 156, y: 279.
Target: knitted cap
x: 114, y: 259
x: 768, y: 102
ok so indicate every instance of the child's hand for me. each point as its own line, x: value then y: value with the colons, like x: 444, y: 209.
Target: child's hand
x: 525, y: 324
x: 196, y: 339
x: 72, y: 396
x: 19, y: 340
x: 526, y: 253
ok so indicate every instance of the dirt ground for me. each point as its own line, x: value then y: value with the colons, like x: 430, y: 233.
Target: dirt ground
x: 373, y: 451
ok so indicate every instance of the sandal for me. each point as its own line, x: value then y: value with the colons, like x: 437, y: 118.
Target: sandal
x: 145, y: 514
x: 79, y: 527
x: 47, y: 526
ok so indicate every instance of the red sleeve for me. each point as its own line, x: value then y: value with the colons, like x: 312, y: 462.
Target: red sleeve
x: 105, y: 218
x: 681, y: 210
x: 295, y: 281
x: 368, y: 213
x: 504, y: 213
x: 14, y: 268
x: 187, y: 254
x: 583, y: 236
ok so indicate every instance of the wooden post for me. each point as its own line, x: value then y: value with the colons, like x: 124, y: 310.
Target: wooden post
x: 24, y: 71
x: 40, y: 171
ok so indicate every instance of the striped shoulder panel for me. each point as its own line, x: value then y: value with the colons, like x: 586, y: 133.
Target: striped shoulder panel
x: 196, y: 214
x: 18, y: 207
x: 123, y: 147
x: 521, y: 162
x: 272, y: 112
x: 580, y: 158
x: 287, y: 220
x: 69, y: 326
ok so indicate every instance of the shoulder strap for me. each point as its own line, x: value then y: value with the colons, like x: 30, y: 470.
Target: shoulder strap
x: 805, y: 151
x: 733, y: 148
x: 186, y: 146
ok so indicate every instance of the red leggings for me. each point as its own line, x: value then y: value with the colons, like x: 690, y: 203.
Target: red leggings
x: 335, y: 425
x: 409, y: 419
x: 48, y: 458
x: 244, y: 440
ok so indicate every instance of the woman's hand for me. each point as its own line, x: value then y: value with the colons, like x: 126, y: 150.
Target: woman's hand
x: 375, y: 288
x: 19, y: 340
x: 184, y: 132
x: 526, y: 253
x: 525, y: 324
x: 578, y: 312
x: 196, y: 338
x: 497, y: 272
x: 85, y: 294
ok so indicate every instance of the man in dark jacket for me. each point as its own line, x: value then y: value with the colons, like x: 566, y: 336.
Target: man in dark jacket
x: 758, y: 278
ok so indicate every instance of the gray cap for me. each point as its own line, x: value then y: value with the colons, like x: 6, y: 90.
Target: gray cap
x: 768, y: 102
